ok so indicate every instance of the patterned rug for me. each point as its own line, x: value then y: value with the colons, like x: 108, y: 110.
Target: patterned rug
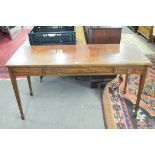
x: 148, y: 96
x: 151, y: 57
x: 117, y: 110
x: 8, y: 48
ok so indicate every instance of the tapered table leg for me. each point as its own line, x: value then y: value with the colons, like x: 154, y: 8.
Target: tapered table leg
x: 126, y: 82
x: 16, y: 91
x: 41, y: 78
x: 30, y: 86
x: 140, y: 90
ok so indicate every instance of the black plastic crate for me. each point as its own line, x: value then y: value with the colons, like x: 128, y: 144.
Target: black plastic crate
x: 52, y: 35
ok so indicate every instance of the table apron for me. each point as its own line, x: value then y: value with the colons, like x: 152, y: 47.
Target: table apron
x: 66, y: 71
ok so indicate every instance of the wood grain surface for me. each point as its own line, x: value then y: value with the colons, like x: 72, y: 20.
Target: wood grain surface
x: 78, y: 55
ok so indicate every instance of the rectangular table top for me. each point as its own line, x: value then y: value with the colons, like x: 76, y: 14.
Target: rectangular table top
x: 78, y: 55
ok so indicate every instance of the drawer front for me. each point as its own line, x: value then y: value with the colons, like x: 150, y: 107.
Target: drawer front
x: 128, y: 70
x: 20, y: 70
x: 75, y: 70
x: 35, y: 71
x: 27, y: 71
x: 87, y: 70
x: 51, y: 71
x: 101, y: 69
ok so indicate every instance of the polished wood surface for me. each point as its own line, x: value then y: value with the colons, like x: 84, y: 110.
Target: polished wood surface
x: 105, y: 59
x: 77, y: 55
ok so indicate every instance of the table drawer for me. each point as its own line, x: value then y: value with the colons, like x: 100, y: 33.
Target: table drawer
x: 27, y: 71
x: 86, y: 70
x: 128, y: 70
x: 35, y: 71
x: 20, y: 70
x: 51, y: 71
x: 101, y: 69
x: 75, y: 70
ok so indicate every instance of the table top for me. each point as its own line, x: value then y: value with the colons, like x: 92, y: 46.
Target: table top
x: 78, y: 55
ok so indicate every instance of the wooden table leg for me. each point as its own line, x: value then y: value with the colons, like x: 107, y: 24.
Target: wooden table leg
x: 16, y: 91
x: 140, y: 90
x: 30, y: 86
x: 41, y: 78
x: 126, y: 82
